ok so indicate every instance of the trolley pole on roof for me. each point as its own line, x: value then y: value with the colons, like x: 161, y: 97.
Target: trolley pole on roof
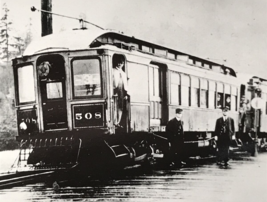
x: 46, y: 17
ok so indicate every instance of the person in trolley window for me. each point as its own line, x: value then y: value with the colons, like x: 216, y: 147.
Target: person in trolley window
x: 224, y: 131
x: 175, y: 134
x: 120, y: 88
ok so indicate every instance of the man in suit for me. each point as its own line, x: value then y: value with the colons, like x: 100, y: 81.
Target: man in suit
x: 224, y: 130
x: 175, y: 134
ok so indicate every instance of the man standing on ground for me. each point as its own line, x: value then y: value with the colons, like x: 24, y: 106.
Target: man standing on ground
x: 175, y: 135
x: 224, y: 130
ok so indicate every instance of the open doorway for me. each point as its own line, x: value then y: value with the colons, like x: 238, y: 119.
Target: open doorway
x: 158, y: 94
x: 51, y: 73
x: 121, y: 98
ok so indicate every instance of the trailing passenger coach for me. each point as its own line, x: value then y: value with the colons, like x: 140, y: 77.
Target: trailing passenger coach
x: 65, y: 101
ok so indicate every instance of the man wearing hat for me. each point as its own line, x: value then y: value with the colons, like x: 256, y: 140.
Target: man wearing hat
x: 224, y: 130
x: 175, y: 134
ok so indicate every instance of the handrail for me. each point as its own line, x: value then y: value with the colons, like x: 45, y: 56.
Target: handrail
x: 79, y: 150
x: 160, y: 136
x: 110, y: 148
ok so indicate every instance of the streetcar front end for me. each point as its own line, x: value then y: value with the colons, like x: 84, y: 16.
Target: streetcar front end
x: 61, y: 104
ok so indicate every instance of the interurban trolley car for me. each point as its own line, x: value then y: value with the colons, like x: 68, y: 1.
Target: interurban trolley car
x: 65, y: 101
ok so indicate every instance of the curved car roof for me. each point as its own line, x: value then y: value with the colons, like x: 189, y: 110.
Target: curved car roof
x: 81, y: 39
x: 67, y: 40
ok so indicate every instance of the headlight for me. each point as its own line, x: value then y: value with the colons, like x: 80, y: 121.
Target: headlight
x: 23, y: 126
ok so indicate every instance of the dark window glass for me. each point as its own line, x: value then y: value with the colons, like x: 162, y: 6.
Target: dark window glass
x: 219, y: 103
x: 228, y: 101
x: 194, y: 92
x: 219, y: 96
x: 185, y: 90
x: 194, y: 97
x: 203, y: 93
x: 203, y: 98
x: 175, y: 88
x: 212, y: 89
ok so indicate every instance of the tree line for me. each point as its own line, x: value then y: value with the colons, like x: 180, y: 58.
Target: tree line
x: 11, y: 45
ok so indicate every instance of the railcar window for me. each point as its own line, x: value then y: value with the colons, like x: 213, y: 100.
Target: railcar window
x: 234, y: 98
x: 185, y: 89
x: 212, y: 89
x: 227, y: 96
x: 203, y: 93
x: 156, y: 82
x: 86, y: 77
x: 219, y: 96
x: 151, y: 90
x: 170, y: 55
x: 228, y: 101
x: 138, y: 82
x: 54, y: 90
x: 26, y: 84
x: 233, y: 103
x: 154, y: 90
x: 146, y: 48
x: 194, y: 91
x: 264, y: 98
x: 175, y: 88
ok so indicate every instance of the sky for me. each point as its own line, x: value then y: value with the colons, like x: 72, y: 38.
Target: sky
x: 229, y: 32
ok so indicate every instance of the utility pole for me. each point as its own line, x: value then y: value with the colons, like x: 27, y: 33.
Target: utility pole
x: 46, y: 18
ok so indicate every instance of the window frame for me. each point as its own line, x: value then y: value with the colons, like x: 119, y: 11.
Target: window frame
x: 62, y: 91
x: 221, y: 92
x: 235, y: 94
x: 183, y: 86
x: 146, y: 94
x: 264, y: 98
x: 265, y: 101
x: 178, y: 85
x: 197, y: 88
x: 153, y: 90
x: 227, y: 93
x: 16, y: 77
x: 212, y: 90
x: 204, y: 82
x: 101, y: 78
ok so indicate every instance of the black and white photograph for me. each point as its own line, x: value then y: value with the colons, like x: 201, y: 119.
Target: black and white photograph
x: 133, y: 100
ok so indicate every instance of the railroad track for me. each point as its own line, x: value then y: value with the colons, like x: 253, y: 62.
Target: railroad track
x: 15, y: 179
x: 9, y: 180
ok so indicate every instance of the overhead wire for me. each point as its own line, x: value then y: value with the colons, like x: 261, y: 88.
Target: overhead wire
x: 33, y: 9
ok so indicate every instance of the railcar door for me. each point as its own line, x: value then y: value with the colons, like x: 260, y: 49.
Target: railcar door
x: 120, y: 90
x: 51, y: 73
x: 155, y: 91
